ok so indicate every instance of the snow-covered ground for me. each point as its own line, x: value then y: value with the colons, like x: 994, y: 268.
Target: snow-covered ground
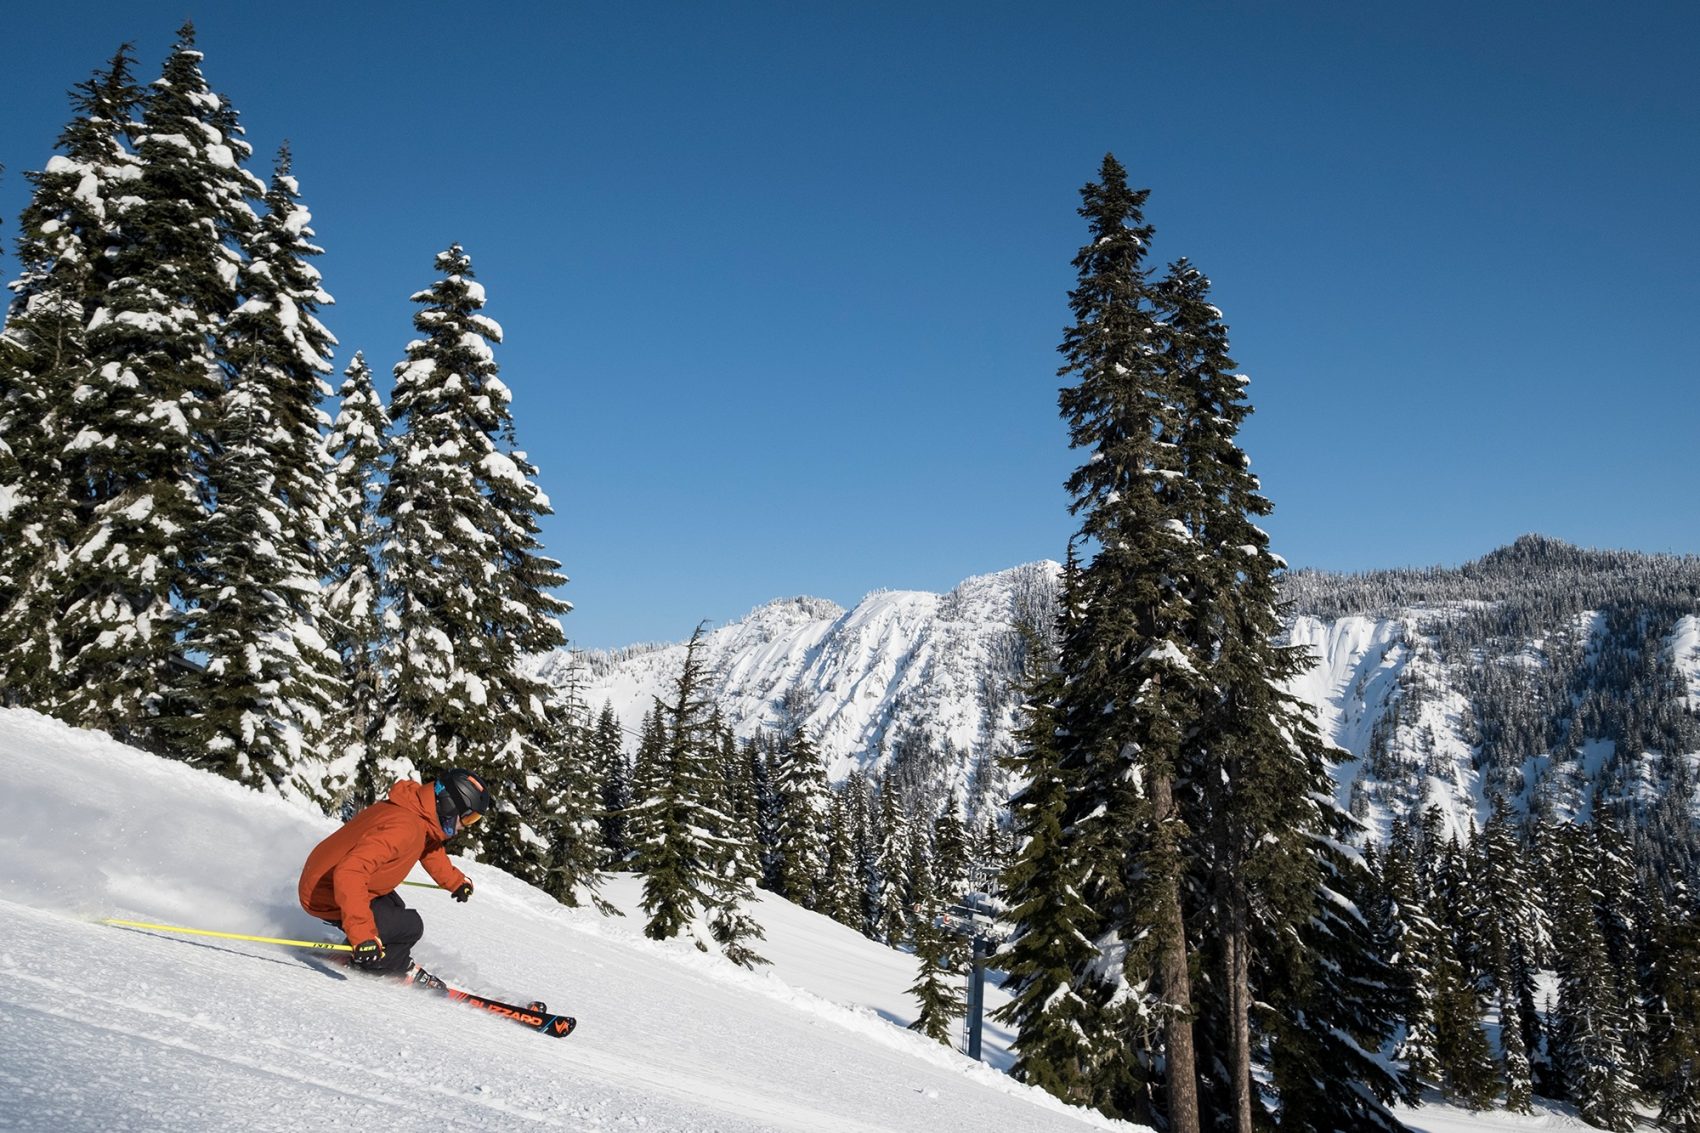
x: 107, y: 1028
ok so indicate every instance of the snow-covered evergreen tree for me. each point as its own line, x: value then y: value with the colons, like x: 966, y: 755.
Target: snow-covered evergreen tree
x: 697, y: 878
x: 1589, y: 1053
x: 804, y: 800
x: 837, y: 892
x: 950, y: 851
x: 1127, y: 694
x: 566, y: 807
x: 607, y: 755
x: 1514, y: 1057
x: 1673, y: 1003
x: 256, y: 711
x: 156, y: 382
x: 938, y: 982
x: 72, y: 230
x: 359, y: 452
x: 467, y: 590
x: 1330, y: 1010
x: 865, y: 842
x: 893, y: 868
x: 1467, y: 1069
x: 1047, y: 945
x: 1409, y: 942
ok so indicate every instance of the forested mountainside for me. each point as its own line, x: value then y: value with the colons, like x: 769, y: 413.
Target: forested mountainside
x: 1553, y: 678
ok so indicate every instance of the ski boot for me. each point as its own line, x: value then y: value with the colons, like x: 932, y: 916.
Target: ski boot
x: 419, y: 977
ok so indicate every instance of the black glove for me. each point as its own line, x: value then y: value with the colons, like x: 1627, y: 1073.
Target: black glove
x: 463, y: 892
x: 367, y: 953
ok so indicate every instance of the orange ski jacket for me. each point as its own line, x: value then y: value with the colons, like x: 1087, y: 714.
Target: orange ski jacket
x: 372, y: 854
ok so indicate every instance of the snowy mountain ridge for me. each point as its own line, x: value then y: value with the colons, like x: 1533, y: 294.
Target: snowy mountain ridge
x: 1506, y: 677
x: 902, y: 668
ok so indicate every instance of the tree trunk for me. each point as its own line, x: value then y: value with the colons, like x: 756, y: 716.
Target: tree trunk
x: 1173, y: 978
x: 1237, y: 962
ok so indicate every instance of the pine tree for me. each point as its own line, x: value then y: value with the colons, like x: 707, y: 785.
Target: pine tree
x: 1514, y: 1057
x: 893, y: 867
x: 157, y: 380
x: 1262, y: 822
x: 1127, y: 695
x: 838, y: 893
x: 1330, y: 1010
x: 358, y: 446
x: 608, y: 756
x: 737, y: 858
x: 256, y: 711
x: 646, y: 774
x: 697, y: 875
x: 1673, y: 984
x: 672, y: 858
x: 950, y: 851
x: 467, y: 589
x: 1589, y: 1053
x: 1047, y: 945
x: 767, y: 811
x: 73, y: 230
x: 1623, y: 917
x: 1410, y: 943
x: 1461, y: 1048
x: 567, y: 808
x: 938, y: 984
x: 804, y: 799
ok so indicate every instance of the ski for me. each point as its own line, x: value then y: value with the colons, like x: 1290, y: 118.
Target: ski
x: 560, y: 1026
x: 534, y: 1015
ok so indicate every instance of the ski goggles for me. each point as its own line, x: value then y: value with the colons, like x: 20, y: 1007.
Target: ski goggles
x: 455, y: 825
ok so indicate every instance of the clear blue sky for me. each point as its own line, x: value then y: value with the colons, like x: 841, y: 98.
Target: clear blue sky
x: 783, y: 282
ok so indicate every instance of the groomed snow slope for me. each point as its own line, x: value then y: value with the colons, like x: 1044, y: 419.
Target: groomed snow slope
x: 104, y: 1028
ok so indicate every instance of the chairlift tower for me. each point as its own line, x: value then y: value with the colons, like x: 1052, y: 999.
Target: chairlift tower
x: 975, y: 919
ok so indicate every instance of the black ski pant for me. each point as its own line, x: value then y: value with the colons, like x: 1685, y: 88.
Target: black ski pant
x: 399, y: 927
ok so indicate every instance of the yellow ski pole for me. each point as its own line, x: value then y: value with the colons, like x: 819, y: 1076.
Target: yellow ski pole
x: 319, y: 944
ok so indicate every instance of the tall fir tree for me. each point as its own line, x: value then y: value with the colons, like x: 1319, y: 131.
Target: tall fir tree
x: 1329, y: 1006
x: 359, y: 454
x: 257, y: 709
x: 130, y: 570
x: 1409, y: 941
x: 73, y: 230
x: 1127, y: 693
x: 647, y: 772
x: 467, y: 589
x: 1262, y: 827
x: 1514, y: 1057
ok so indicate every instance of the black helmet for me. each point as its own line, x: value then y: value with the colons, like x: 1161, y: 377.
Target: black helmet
x: 461, y: 798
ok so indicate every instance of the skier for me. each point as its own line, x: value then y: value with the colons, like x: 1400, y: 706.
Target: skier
x: 350, y: 878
